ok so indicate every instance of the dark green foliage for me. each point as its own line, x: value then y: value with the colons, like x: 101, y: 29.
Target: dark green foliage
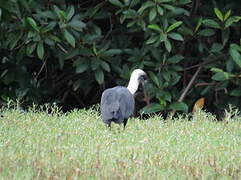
x: 69, y: 51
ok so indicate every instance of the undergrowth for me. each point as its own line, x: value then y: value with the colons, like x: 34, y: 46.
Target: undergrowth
x: 44, y: 143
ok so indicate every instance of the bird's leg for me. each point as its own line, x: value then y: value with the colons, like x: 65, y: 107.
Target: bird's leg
x: 109, y: 125
x: 125, y: 122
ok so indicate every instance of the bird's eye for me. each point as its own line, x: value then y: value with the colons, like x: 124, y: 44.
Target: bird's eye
x: 142, y: 78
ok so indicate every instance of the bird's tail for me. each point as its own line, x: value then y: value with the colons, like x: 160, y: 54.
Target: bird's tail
x: 115, y: 114
x: 115, y: 111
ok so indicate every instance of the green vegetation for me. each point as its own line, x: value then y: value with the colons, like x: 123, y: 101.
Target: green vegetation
x: 53, y: 145
x: 69, y: 51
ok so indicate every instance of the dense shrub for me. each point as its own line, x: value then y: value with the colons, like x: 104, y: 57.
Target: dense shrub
x: 69, y: 51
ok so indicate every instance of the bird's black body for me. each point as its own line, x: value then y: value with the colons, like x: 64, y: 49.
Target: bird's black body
x: 117, y: 105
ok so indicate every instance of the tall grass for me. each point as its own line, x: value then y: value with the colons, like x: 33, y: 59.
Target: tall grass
x: 77, y: 145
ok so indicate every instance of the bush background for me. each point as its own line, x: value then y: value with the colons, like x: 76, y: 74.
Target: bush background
x: 68, y: 52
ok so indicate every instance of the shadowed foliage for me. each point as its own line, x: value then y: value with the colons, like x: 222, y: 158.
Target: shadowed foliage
x: 68, y: 52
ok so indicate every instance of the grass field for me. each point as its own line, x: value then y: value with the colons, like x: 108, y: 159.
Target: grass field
x: 77, y: 145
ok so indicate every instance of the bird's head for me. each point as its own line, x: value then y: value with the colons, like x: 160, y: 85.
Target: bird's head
x: 139, y: 74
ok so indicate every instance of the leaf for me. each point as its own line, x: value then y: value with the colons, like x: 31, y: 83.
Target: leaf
x: 176, y: 36
x: 159, y: 10
x: 95, y: 63
x: 145, y: 6
x: 112, y: 52
x: 236, y: 92
x: 40, y: 50
x: 152, y: 39
x: 32, y: 22
x: 155, y: 79
x: 211, y: 23
x: 179, y: 106
x: 81, y: 65
x: 60, y: 13
x: 130, y: 24
x: 155, y: 52
x: 163, y: 95
x: 206, y: 90
x: 80, y: 69
x: 186, y: 31
x: 173, y: 26
x: 167, y: 6
x: 105, y: 66
x: 130, y: 13
x: 46, y: 14
x: 85, y: 51
x: 199, y: 23
x: 222, y: 85
x: 183, y: 2
x: 236, y: 47
x: 230, y: 21
x: 155, y: 27
x: 175, y: 59
x: 116, y: 3
x: 181, y: 12
x: 168, y: 45
x: 163, y: 37
x: 78, y: 25
x: 49, y: 27
x: 70, y: 12
x: 175, y: 79
x: 152, y: 14
x: 54, y: 38
x: 216, y: 70
x: 48, y: 41
x: 198, y: 105
x: 77, y: 84
x: 220, y: 76
x: 216, y: 47
x: 30, y: 48
x: 99, y: 76
x: 218, y: 14
x: 152, y: 108
x: 4, y: 73
x: 206, y: 32
x: 72, y: 53
x: 226, y: 16
x: 230, y: 65
x: 14, y: 39
x: 69, y: 38
x: 235, y: 56
x: 167, y: 75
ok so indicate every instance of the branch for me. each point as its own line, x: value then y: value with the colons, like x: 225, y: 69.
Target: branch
x: 189, y: 84
x: 205, y: 84
x: 206, y: 62
x: 183, y: 95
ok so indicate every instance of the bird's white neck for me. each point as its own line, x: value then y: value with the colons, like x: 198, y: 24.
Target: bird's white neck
x: 133, y: 84
x: 134, y: 80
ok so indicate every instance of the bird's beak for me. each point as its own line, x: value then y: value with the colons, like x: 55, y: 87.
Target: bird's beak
x: 146, y: 96
x: 143, y: 79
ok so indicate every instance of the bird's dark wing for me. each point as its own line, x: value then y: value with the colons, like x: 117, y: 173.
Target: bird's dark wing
x: 127, y: 103
x: 109, y: 104
x: 116, y: 103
